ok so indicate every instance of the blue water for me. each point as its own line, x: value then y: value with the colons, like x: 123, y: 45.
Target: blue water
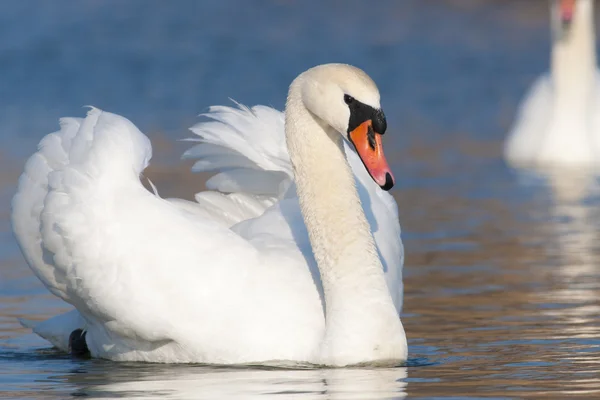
x: 502, y: 288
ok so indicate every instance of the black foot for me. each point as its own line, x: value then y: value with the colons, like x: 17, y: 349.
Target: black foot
x: 77, y: 344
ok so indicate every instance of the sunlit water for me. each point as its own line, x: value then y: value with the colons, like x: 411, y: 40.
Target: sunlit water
x: 502, y: 276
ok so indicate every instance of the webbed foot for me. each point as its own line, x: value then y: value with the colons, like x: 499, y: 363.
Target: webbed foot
x: 77, y: 345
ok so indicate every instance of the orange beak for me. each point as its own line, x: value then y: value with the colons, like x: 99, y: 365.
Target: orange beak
x: 567, y: 8
x: 367, y: 143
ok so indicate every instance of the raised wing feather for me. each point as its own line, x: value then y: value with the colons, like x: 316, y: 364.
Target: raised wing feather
x: 252, y: 140
x: 246, y: 147
x: 123, y: 256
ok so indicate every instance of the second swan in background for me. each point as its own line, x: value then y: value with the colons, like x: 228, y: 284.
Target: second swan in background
x: 559, y: 120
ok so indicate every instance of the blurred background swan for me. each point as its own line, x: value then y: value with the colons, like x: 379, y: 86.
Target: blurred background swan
x: 559, y: 121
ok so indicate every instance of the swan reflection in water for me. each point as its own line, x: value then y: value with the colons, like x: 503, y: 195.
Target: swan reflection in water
x: 198, y: 382
x: 570, y: 242
x: 575, y: 215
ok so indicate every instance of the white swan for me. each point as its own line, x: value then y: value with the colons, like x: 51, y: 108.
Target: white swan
x: 231, y: 278
x: 559, y: 121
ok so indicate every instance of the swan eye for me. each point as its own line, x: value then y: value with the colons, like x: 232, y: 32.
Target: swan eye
x: 348, y: 99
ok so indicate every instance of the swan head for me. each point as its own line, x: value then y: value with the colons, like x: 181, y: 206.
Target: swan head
x: 566, y: 9
x: 566, y: 12
x: 346, y: 99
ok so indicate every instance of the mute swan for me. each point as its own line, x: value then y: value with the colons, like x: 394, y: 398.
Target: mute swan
x: 229, y: 279
x: 558, y: 123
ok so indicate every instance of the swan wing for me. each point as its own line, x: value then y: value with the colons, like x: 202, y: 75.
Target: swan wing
x: 141, y: 272
x: 247, y: 147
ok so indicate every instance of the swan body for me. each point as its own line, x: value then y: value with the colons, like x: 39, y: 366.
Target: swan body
x: 294, y: 254
x: 559, y: 121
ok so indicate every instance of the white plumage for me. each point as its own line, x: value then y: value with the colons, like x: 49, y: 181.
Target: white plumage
x: 559, y: 121
x: 230, y: 278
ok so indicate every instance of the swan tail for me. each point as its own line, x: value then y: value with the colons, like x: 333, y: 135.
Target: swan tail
x: 123, y: 257
x: 246, y: 147
x: 57, y: 329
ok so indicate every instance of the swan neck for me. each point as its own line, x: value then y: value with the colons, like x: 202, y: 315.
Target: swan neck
x: 573, y: 63
x: 361, y: 320
x: 338, y: 229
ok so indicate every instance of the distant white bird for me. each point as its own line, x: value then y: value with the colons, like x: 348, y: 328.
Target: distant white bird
x: 559, y: 121
x: 294, y: 257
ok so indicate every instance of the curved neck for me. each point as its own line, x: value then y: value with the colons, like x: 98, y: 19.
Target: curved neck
x: 361, y: 320
x: 573, y: 63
